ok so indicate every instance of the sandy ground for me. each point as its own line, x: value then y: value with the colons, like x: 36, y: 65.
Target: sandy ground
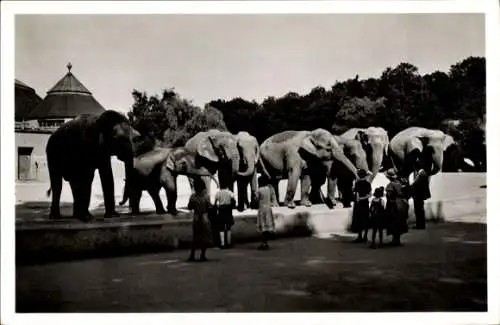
x: 440, y: 269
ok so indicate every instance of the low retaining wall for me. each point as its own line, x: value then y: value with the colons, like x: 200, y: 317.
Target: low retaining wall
x: 52, y: 241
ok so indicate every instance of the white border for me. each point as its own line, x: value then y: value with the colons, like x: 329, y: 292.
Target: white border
x: 9, y: 9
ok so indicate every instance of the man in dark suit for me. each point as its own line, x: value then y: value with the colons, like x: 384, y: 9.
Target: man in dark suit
x: 420, y: 191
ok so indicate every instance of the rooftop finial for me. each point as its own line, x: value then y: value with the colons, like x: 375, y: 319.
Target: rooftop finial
x: 69, y: 66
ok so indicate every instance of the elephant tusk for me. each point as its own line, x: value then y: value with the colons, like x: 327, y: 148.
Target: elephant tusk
x: 469, y: 162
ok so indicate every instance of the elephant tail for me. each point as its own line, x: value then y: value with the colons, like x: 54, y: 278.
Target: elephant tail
x: 263, y: 168
x: 49, y: 191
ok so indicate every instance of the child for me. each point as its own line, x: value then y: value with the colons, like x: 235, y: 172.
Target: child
x: 225, y: 202
x: 200, y: 203
x: 265, y: 218
x: 377, y: 216
x: 362, y: 189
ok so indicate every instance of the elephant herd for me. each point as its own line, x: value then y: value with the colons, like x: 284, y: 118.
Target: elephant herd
x: 85, y: 144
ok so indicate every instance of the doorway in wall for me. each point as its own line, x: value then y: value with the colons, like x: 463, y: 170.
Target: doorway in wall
x: 24, y: 163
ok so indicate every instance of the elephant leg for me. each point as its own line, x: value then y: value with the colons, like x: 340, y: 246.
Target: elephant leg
x: 242, y: 194
x: 169, y: 182
x: 332, y: 190
x: 345, y: 188
x: 253, y: 191
x: 208, y: 182
x: 155, y: 195
x: 293, y: 178
x: 108, y: 188
x: 56, y: 185
x: 314, y: 195
x: 305, y: 186
x: 135, y: 200
x: 276, y: 197
x: 81, y: 189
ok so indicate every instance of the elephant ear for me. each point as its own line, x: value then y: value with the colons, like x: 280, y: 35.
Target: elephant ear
x: 424, y: 140
x: 170, y: 161
x: 448, y: 141
x: 309, y: 145
x: 106, y: 122
x: 362, y: 137
x: 416, y: 144
x: 206, y: 149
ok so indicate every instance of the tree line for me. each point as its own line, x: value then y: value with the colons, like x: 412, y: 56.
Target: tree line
x: 400, y: 97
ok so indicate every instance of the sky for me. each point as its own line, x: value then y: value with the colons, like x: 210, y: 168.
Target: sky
x: 206, y: 57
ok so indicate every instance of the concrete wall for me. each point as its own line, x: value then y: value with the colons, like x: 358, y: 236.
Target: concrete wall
x: 38, y: 141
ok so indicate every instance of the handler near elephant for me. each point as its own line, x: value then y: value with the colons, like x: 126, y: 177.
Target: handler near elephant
x: 77, y: 149
x: 299, y: 154
x: 415, y: 143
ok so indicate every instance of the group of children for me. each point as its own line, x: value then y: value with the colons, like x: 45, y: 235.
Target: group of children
x: 390, y: 211
x: 384, y: 212
x: 212, y: 223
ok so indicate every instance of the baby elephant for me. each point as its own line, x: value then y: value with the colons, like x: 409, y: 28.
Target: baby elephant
x: 157, y: 169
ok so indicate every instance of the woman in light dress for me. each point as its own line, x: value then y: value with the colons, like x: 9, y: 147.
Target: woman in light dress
x: 265, y: 217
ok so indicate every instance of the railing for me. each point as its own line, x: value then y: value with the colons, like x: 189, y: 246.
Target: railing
x: 22, y: 126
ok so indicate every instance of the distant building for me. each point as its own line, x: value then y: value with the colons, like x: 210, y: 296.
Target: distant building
x: 36, y: 119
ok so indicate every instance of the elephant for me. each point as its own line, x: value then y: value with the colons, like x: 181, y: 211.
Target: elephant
x: 249, y: 157
x: 157, y: 169
x: 216, y: 152
x: 367, y: 149
x: 79, y: 147
x: 300, y: 154
x: 414, y: 143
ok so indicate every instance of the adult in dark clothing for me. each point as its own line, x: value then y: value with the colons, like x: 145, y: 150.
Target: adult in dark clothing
x: 361, y: 210
x: 199, y: 202
x: 396, y: 208
x: 420, y: 191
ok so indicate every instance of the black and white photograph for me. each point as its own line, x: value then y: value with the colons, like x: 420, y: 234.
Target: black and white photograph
x: 323, y: 157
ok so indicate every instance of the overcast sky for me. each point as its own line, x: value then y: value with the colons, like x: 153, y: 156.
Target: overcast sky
x: 207, y: 57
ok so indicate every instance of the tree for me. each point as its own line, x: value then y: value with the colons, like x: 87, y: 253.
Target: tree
x: 171, y: 119
x: 357, y: 112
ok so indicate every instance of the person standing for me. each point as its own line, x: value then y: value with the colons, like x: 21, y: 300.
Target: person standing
x: 361, y: 210
x: 199, y: 202
x: 396, y: 207
x: 377, y: 216
x: 265, y: 217
x: 420, y: 189
x: 225, y: 202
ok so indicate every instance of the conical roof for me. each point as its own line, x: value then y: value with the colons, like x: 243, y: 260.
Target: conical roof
x: 68, y: 98
x: 26, y: 100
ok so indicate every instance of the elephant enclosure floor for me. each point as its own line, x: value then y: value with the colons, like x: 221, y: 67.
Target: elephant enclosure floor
x: 440, y: 269
x: 32, y: 204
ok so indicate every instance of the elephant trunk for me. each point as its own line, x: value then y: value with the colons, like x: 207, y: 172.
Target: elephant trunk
x: 437, y: 163
x: 339, y: 155
x: 129, y: 169
x: 203, y: 174
x: 375, y: 159
x: 250, y: 160
x: 432, y: 160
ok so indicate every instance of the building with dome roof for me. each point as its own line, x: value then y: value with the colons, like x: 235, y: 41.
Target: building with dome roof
x: 36, y: 119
